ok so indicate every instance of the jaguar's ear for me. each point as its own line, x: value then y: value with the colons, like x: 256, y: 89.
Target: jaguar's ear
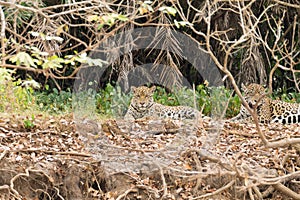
x: 133, y: 89
x: 243, y: 87
x: 153, y: 88
x: 266, y: 87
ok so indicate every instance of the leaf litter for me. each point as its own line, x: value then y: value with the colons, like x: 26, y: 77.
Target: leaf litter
x: 59, y: 158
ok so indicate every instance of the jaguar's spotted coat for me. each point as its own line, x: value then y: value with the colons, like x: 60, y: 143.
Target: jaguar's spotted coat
x: 268, y: 110
x: 142, y: 105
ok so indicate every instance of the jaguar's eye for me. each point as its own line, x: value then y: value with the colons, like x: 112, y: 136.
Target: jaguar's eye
x: 250, y: 105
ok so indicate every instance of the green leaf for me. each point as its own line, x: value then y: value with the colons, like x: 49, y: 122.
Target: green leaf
x: 23, y: 58
x: 36, y: 52
x: 95, y: 62
x: 100, y: 26
x: 5, y: 75
x: 146, y: 7
x: 122, y: 18
x: 178, y: 24
x: 53, y: 62
x: 168, y: 10
x: 108, y: 19
x: 111, y: 19
x: 91, y: 18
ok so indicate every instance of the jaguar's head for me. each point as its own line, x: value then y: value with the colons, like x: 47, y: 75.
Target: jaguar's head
x: 142, y: 97
x: 252, y: 93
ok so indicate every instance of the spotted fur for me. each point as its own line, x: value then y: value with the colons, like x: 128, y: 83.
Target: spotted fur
x: 268, y: 110
x: 143, y: 105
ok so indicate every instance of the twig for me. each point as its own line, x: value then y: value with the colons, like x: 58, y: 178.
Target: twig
x: 215, y: 192
x: 284, y: 142
x: 165, y: 189
x: 2, y: 34
x: 149, y: 189
x: 272, y: 181
x: 132, y: 189
x: 257, y: 192
x: 27, y: 175
x: 199, y: 168
x: 268, y: 191
x: 285, y: 190
x: 250, y: 193
x: 248, y: 184
x: 58, y: 194
x: 71, y: 153
x: 3, y: 154
x: 205, y: 155
x: 4, y: 187
x: 18, y: 6
x: 15, y: 178
x: 287, y: 4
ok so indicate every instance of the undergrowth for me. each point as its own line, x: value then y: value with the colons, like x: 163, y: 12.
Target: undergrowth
x: 54, y: 102
x: 15, y: 95
x: 19, y: 95
x: 210, y: 100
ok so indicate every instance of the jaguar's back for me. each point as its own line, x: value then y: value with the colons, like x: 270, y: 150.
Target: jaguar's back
x: 143, y: 105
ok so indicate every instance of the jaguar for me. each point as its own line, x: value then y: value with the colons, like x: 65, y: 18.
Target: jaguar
x: 142, y: 105
x: 267, y: 109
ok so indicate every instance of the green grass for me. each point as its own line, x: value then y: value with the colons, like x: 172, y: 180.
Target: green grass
x: 54, y: 102
x: 15, y: 96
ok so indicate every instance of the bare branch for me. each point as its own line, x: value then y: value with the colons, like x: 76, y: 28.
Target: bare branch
x: 287, y: 4
x: 287, y: 191
x: 2, y: 34
x: 218, y: 191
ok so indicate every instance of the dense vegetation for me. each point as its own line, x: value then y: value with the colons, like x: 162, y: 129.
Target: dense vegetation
x: 45, y: 44
x: 18, y: 95
x: 49, y: 41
